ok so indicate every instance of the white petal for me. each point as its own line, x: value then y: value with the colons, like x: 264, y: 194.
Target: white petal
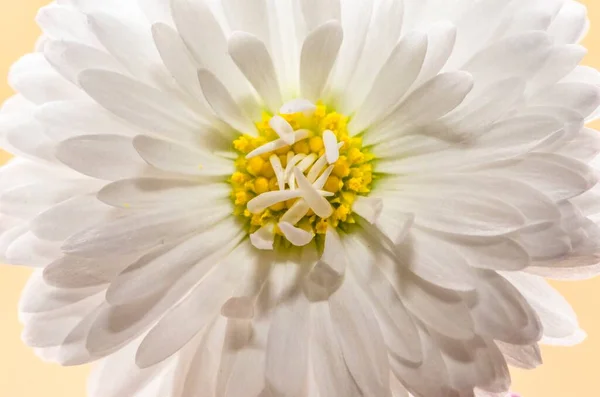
x: 240, y: 366
x: 356, y: 20
x: 435, y: 261
x: 29, y: 200
x: 253, y: 59
x: 319, y: 52
x: 581, y: 97
x: 263, y: 238
x: 142, y: 230
x: 68, y: 217
x: 472, y: 34
x: 142, y: 105
x: 431, y: 377
x: 74, y: 272
x: 333, y: 252
x: 60, y: 22
x: 360, y: 339
x: 147, y: 193
x: 488, y: 216
x: 193, y: 313
x: 29, y: 250
x: 129, y: 43
x: 397, y: 324
x: 440, y: 38
x: 238, y: 308
x: 223, y: 104
x: 527, y: 357
x: 562, y: 61
x: 35, y: 79
x: 501, y: 313
x: 67, y: 119
x: 39, y: 297
x: 71, y: 58
x: 429, y: 102
x: 536, y: 206
x: 515, y: 56
x: 125, y: 377
x: 172, y: 157
x: 108, y: 157
x: 557, y: 317
x: 177, y: 59
x: 440, y: 310
x: 249, y: 16
x: 395, y: 225
x: 368, y: 207
x: 383, y: 34
x: 331, y: 373
x: 204, y: 37
x: 164, y: 266
x: 570, y: 24
x: 556, y: 176
x: 317, y: 12
x: 288, y: 337
x: 393, y: 81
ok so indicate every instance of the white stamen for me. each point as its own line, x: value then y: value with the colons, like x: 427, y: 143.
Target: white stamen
x: 283, y: 129
x: 303, y: 165
x: 316, y: 169
x: 277, y: 144
x: 263, y: 238
x: 261, y: 202
x: 319, y: 183
x: 265, y: 200
x: 332, y: 151
x: 313, y: 197
x: 307, y: 162
x: 296, y: 236
x: 278, y: 169
x: 300, y: 207
x: 299, y: 105
x: 368, y: 208
x: 292, y: 161
x: 296, y: 212
x: 241, y: 308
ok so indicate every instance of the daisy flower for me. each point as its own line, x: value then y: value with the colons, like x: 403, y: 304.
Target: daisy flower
x: 289, y: 198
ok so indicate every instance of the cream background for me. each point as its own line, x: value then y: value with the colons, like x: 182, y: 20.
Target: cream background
x: 567, y: 372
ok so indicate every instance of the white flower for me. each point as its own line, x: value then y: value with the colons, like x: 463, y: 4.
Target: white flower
x: 265, y: 198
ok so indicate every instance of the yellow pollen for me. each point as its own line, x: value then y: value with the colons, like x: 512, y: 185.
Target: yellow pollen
x: 333, y: 184
x: 316, y: 144
x: 352, y: 173
x: 261, y: 185
x: 255, y: 166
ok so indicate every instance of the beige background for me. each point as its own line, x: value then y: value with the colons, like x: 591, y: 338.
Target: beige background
x: 567, y: 372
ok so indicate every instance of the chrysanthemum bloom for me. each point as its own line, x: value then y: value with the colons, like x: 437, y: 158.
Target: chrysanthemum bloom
x: 332, y: 198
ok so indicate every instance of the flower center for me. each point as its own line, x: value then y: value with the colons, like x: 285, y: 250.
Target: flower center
x: 299, y: 175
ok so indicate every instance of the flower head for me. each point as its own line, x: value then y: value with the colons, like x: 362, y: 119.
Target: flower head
x: 252, y: 198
